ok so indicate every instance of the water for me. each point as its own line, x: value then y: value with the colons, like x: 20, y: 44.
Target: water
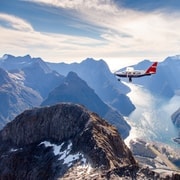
x: 151, y: 119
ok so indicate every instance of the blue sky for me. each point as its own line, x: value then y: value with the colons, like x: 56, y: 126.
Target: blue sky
x: 121, y: 32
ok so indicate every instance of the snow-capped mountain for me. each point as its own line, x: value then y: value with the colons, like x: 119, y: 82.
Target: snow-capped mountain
x: 10, y: 62
x: 67, y: 141
x: 54, y: 142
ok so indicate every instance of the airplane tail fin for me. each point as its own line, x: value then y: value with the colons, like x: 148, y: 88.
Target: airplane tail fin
x: 152, y: 69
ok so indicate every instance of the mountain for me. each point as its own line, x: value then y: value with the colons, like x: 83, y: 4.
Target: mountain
x: 37, y: 75
x: 15, y: 97
x: 67, y: 141
x: 98, y: 77
x: 165, y: 82
x: 74, y: 89
x: 63, y: 141
x: 158, y: 156
x: 10, y: 62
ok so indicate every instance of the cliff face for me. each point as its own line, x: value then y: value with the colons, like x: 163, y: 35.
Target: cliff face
x: 49, y: 142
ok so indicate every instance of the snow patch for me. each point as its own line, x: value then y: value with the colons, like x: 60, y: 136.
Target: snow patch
x: 65, y: 154
x: 17, y: 77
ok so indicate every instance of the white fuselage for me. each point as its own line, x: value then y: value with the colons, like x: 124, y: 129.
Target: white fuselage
x: 130, y: 72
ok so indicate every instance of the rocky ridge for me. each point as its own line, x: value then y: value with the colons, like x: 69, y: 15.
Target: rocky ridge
x: 157, y: 157
x: 67, y: 141
x: 50, y: 142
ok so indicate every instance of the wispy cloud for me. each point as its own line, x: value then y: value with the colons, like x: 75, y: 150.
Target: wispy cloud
x: 47, y: 45
x: 15, y: 22
x: 119, y: 24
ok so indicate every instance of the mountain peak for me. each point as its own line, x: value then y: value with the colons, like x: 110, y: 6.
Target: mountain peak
x: 6, y: 56
x: 92, y: 62
x: 72, y: 75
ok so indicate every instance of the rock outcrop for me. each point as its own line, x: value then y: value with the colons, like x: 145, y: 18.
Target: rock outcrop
x: 50, y: 142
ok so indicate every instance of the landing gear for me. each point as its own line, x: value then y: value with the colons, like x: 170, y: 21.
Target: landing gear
x: 130, y: 79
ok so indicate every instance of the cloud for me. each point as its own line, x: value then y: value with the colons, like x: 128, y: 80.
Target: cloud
x: 121, y: 26
x: 123, y: 33
x: 49, y: 46
x: 15, y: 22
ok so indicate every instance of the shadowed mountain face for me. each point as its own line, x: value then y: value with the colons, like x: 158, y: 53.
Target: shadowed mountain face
x: 98, y: 77
x: 75, y: 90
x: 51, y: 142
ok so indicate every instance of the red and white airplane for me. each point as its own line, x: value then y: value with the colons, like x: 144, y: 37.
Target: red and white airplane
x: 130, y: 72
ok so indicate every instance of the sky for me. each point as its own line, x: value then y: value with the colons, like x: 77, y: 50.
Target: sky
x: 121, y: 32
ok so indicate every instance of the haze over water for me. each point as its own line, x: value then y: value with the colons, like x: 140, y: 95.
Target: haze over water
x: 151, y: 120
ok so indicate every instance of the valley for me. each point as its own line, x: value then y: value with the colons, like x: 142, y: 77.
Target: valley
x: 151, y: 120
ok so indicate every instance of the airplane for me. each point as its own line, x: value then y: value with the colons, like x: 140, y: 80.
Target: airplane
x: 130, y: 72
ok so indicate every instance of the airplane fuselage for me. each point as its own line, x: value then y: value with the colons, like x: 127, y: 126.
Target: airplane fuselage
x: 134, y: 74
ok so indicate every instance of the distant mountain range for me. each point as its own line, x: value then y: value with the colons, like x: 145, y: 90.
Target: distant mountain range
x: 99, y: 77
x: 36, y: 75
x: 27, y: 82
